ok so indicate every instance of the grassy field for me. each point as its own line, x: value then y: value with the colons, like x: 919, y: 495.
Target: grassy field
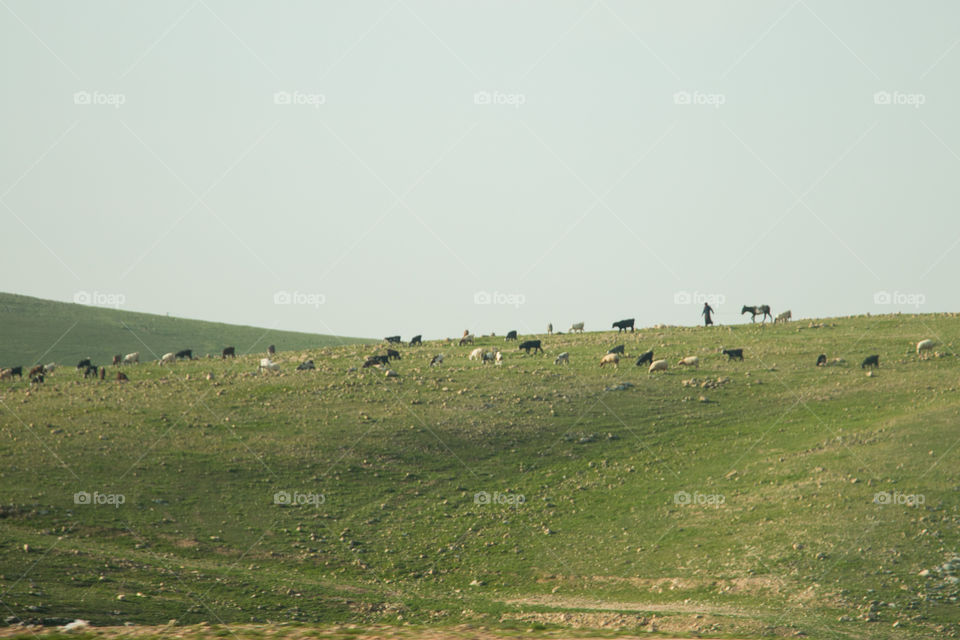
x: 37, y: 331
x: 761, y: 498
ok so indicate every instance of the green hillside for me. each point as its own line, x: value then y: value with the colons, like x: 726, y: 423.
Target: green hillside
x: 763, y: 498
x: 41, y: 331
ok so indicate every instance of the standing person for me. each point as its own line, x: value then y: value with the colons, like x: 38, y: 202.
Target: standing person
x: 550, y: 329
x: 707, y: 310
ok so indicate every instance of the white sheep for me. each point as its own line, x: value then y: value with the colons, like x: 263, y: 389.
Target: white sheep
x: 576, y: 326
x: 168, y: 358
x: 49, y: 368
x: 132, y: 358
x: 476, y: 354
x: 611, y: 358
x: 924, y: 345
x: 563, y: 358
x: 690, y: 361
x: 499, y: 357
x: 265, y: 363
x: 657, y: 365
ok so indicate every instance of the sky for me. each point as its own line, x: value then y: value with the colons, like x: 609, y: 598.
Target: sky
x: 404, y: 167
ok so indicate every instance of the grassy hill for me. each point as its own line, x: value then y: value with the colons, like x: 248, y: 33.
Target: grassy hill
x: 768, y: 497
x: 41, y: 331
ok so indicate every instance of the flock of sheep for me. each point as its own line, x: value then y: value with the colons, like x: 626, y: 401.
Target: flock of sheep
x: 481, y: 354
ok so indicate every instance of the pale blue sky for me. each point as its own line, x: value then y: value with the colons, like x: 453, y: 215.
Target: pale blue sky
x: 543, y: 151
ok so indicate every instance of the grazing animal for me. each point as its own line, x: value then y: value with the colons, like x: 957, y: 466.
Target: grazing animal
x: 132, y: 358
x: 733, y: 354
x: 783, y: 317
x: 37, y: 379
x: 271, y: 350
x: 121, y: 376
x: 617, y: 349
x: 83, y: 364
x: 531, y: 344
x: 16, y: 371
x: 499, y: 358
x: 35, y: 370
x: 269, y: 365
x: 185, y: 353
x: 645, y: 357
x: 657, y: 365
x: 90, y: 371
x: 822, y: 360
x: 562, y: 358
x: 511, y: 335
x: 756, y: 311
x: 476, y: 354
x: 306, y: 365
x: 393, y: 339
x: 611, y: 358
x: 376, y: 360
x: 167, y: 358
x: 623, y: 325
x: 576, y: 326
x: 437, y: 359
x: 117, y: 359
x: 6, y: 374
x: 870, y: 361
x: 393, y: 355
x: 924, y: 345
x: 416, y: 340
x: 466, y: 339
x: 690, y: 361
x: 489, y: 356
x: 49, y: 368
x: 228, y: 352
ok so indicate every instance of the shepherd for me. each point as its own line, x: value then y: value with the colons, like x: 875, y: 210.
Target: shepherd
x: 707, y: 310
